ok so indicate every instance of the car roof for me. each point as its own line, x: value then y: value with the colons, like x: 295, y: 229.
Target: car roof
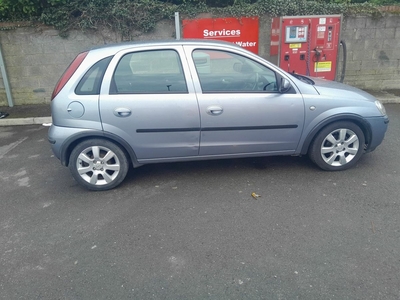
x: 113, y: 48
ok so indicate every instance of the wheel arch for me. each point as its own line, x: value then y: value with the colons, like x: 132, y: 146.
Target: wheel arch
x: 74, y: 140
x: 356, y: 119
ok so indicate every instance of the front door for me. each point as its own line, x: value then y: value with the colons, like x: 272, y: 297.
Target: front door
x: 241, y: 110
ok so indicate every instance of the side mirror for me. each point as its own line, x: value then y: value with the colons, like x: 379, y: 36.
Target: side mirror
x: 284, y: 86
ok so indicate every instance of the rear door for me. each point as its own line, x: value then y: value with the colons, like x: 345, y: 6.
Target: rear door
x: 148, y: 99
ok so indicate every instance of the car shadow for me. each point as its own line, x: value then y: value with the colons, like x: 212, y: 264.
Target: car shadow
x: 221, y: 167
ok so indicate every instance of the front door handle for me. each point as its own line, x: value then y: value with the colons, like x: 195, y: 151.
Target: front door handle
x: 214, y: 110
x: 122, y: 112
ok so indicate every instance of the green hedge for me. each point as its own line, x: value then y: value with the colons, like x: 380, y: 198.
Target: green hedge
x: 126, y: 15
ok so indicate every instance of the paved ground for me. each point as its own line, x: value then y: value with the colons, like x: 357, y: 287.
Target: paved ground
x: 192, y: 230
x: 27, y: 111
x: 26, y: 115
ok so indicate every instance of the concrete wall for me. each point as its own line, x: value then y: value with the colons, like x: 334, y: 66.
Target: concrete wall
x: 35, y: 57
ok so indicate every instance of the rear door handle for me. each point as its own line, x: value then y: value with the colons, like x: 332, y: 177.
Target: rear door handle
x: 122, y: 112
x: 214, y: 110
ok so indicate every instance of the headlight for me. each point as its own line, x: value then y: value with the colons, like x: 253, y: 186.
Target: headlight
x: 380, y: 107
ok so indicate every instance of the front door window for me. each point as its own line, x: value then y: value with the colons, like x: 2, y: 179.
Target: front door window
x: 225, y: 72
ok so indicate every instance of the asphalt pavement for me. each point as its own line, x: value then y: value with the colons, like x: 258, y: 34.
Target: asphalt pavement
x: 193, y: 230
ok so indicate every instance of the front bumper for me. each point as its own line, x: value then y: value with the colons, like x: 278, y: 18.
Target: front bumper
x: 379, y: 126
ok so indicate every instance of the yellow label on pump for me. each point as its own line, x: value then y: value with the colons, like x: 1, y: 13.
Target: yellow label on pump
x: 323, y: 66
x: 294, y: 46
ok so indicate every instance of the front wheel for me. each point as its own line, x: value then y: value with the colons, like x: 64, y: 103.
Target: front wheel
x: 338, y: 146
x: 98, y: 164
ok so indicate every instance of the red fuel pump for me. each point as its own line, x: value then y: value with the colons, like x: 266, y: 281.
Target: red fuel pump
x: 307, y: 45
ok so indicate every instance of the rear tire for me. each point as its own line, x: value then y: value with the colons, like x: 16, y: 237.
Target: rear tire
x: 98, y: 164
x: 338, y: 146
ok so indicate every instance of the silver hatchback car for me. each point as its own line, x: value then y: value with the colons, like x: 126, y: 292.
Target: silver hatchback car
x: 140, y: 103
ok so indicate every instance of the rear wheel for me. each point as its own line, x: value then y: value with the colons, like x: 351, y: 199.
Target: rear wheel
x: 338, y: 146
x: 98, y: 164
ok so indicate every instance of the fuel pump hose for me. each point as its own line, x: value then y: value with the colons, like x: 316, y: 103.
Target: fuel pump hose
x: 343, y: 43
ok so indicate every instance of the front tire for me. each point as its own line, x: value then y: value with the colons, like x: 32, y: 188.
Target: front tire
x: 338, y: 146
x: 98, y: 164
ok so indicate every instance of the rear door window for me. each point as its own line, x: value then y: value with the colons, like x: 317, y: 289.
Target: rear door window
x: 149, y: 72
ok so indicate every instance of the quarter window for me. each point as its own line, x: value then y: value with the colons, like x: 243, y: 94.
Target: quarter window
x: 224, y: 72
x: 149, y: 72
x: 90, y: 83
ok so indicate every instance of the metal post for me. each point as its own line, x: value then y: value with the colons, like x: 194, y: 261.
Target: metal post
x: 177, y: 26
x: 5, y: 80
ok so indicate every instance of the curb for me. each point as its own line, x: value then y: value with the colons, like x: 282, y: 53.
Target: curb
x: 25, y: 121
x: 390, y: 100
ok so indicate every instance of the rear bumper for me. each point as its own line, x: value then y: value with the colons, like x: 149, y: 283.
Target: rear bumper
x: 61, y: 139
x: 54, y: 139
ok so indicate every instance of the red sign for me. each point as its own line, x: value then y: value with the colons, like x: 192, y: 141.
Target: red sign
x: 241, y: 31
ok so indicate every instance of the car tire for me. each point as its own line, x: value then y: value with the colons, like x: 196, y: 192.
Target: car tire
x: 98, y: 164
x: 338, y: 146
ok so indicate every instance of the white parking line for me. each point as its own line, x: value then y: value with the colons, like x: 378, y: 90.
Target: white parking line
x: 7, y: 148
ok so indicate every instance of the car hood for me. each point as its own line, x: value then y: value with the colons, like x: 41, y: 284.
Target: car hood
x: 336, y: 89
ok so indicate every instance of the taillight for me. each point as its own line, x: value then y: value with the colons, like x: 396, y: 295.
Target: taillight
x: 68, y: 73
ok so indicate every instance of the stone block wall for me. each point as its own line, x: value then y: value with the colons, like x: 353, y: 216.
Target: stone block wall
x: 36, y: 57
x: 373, y: 52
